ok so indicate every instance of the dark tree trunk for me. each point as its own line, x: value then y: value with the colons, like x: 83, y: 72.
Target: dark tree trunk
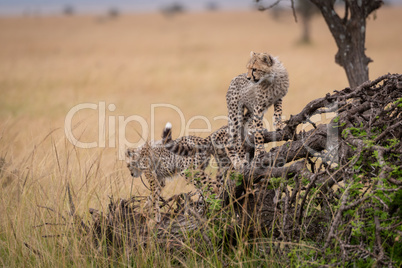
x: 350, y: 35
x: 306, y: 30
x: 307, y: 10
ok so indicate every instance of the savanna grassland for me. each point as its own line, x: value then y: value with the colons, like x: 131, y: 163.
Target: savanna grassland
x: 48, y: 65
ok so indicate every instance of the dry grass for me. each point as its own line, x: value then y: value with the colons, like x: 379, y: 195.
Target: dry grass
x: 50, y: 64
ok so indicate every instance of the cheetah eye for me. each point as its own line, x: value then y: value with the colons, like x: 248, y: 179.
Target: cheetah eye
x: 254, y: 69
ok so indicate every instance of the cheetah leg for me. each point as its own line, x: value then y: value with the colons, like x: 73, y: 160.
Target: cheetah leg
x: 278, y: 124
x: 258, y: 137
x: 234, y: 148
x: 155, y: 192
x: 221, y: 175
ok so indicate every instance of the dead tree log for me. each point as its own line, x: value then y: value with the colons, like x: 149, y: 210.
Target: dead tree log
x: 359, y: 152
x: 361, y: 107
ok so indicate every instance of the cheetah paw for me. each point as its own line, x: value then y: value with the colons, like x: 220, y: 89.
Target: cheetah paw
x: 279, y: 126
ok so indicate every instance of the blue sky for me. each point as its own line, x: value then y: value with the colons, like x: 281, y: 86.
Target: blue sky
x: 101, y: 6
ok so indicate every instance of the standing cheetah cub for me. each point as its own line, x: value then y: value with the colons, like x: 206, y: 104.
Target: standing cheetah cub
x: 157, y: 164
x: 265, y: 83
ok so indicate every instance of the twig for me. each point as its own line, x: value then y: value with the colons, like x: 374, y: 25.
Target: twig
x: 51, y: 236
x: 35, y: 251
x: 378, y: 239
x: 48, y: 223
x: 309, y: 186
x: 262, y: 8
x: 84, y: 227
x: 387, y: 130
x: 337, y: 218
x: 52, y: 210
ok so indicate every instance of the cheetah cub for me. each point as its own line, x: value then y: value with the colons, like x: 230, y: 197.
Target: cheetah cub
x: 265, y: 83
x: 158, y: 164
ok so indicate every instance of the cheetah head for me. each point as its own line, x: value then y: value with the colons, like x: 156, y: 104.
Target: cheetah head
x: 259, y: 66
x: 139, y: 159
x: 133, y: 160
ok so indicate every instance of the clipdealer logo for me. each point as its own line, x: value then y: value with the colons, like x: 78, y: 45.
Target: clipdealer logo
x: 108, y: 124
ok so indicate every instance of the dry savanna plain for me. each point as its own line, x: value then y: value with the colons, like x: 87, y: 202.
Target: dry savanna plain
x: 126, y: 77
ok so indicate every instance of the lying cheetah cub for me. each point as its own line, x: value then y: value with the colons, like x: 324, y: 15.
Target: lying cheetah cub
x: 265, y: 83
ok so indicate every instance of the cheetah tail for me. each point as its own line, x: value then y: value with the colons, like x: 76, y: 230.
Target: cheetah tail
x: 184, y: 146
x: 167, y: 133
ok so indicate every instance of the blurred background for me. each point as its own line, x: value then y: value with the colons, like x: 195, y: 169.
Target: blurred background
x: 128, y: 56
x: 18, y: 7
x: 128, y: 6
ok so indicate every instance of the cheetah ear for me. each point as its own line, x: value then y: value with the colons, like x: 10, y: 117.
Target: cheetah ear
x: 252, y: 53
x: 131, y: 153
x: 268, y: 59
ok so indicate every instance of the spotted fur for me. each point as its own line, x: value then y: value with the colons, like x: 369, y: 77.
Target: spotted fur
x: 157, y: 163
x: 213, y: 145
x: 265, y: 83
